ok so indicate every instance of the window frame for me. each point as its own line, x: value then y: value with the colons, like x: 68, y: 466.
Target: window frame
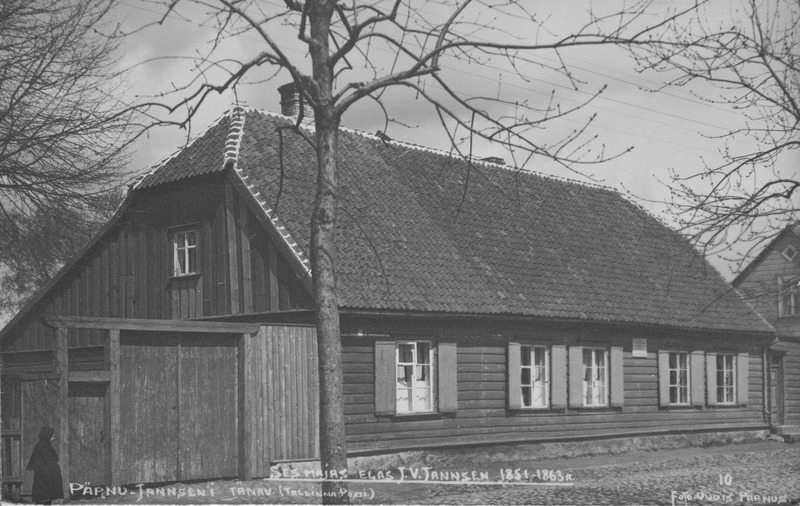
x: 723, y: 389
x: 184, y: 250
x: 605, y: 398
x: 788, y: 287
x: 529, y: 350
x: 432, y: 374
x: 677, y: 386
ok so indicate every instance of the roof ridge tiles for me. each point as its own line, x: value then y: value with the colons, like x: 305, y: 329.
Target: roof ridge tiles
x: 441, y: 152
x: 161, y: 163
x: 232, y: 155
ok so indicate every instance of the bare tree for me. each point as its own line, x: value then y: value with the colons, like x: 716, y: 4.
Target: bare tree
x: 339, y: 53
x: 751, y: 59
x: 61, y: 135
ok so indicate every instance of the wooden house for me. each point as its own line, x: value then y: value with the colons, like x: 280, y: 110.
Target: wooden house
x: 479, y: 304
x: 772, y: 283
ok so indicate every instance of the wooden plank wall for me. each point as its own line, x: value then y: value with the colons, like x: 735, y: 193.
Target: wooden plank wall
x: 87, y: 431
x: 148, y: 406
x: 281, y: 382
x: 482, y: 398
x: 761, y: 286
x: 208, y: 437
x: 791, y: 374
x: 129, y: 273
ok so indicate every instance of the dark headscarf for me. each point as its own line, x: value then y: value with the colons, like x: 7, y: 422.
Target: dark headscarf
x: 46, y: 433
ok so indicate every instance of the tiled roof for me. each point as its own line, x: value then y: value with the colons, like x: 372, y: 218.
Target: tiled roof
x: 421, y: 231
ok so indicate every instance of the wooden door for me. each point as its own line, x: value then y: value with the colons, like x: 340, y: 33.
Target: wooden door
x: 148, y: 443
x: 87, y: 455
x: 178, y: 407
x: 776, y: 390
x: 207, y: 429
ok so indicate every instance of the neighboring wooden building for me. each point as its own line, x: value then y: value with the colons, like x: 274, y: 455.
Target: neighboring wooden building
x: 772, y: 284
x: 480, y: 304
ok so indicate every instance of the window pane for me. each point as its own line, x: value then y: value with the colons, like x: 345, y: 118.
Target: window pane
x: 181, y: 261
x: 405, y: 352
x: 540, y: 396
x: 191, y: 238
x: 540, y: 357
x: 673, y: 395
x: 424, y: 374
x: 526, y: 396
x: 673, y: 360
x: 525, y: 378
x: 587, y: 366
x: 525, y: 355
x: 422, y: 399
x: 192, y: 253
x: 404, y: 374
x: 403, y: 400
x: 424, y: 353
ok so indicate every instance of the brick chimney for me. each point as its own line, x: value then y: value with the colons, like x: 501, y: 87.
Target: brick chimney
x: 290, y: 103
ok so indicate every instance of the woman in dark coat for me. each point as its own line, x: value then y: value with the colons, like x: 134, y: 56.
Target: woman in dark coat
x: 47, y: 481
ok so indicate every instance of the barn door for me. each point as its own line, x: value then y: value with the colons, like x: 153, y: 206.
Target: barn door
x: 148, y: 401
x: 207, y: 430
x: 178, y: 405
x: 87, y: 455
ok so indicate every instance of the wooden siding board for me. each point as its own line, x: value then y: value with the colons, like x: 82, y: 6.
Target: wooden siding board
x: 208, y: 444
x: 274, y: 289
x: 86, y: 433
x: 233, y: 254
x: 247, y: 275
x: 148, y: 408
x: 482, y: 405
x: 207, y: 268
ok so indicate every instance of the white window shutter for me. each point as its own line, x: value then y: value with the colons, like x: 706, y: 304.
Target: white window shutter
x: 663, y: 378
x: 698, y: 378
x: 447, y: 377
x: 711, y: 379
x: 576, y: 376
x: 513, y: 375
x: 385, y: 378
x: 617, y: 376
x: 558, y: 380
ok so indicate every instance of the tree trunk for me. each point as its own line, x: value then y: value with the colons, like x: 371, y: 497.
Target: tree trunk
x: 323, y: 254
x: 331, y: 415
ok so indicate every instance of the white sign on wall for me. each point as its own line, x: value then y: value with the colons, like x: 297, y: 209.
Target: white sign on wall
x: 639, y: 347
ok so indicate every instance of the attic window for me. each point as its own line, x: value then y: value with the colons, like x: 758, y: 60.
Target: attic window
x: 184, y: 247
x: 789, y: 253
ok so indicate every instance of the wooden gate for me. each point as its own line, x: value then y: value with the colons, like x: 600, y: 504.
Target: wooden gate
x: 178, y: 406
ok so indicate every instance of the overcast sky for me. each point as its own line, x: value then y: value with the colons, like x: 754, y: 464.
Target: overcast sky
x: 668, y: 129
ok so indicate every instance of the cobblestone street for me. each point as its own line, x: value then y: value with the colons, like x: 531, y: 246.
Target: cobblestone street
x: 745, y: 474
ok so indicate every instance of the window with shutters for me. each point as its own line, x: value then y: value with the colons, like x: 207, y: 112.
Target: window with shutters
x: 414, y: 377
x: 595, y: 377
x: 535, y: 377
x: 184, y: 248
x: 726, y: 378
x: 679, y: 378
